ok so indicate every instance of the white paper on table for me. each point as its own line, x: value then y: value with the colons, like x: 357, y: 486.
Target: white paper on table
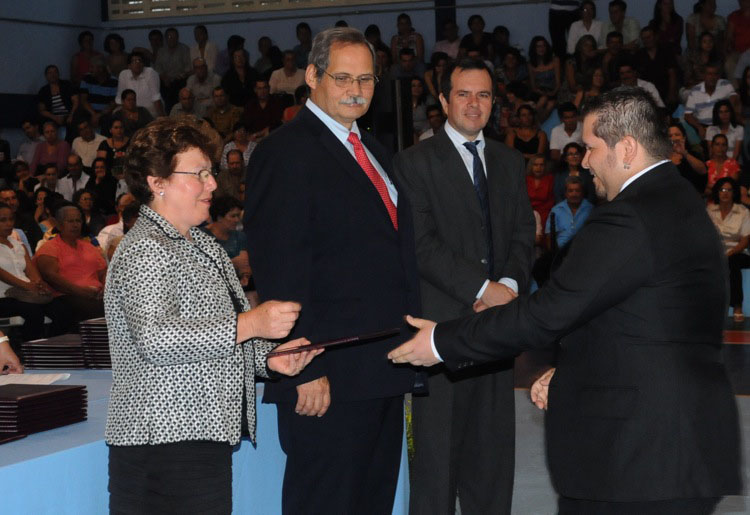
x: 32, y: 378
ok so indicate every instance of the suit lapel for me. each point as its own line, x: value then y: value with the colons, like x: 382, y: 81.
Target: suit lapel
x: 455, y: 171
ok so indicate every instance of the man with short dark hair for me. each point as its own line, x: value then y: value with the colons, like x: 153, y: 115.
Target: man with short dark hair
x: 629, y: 78
x: 50, y: 178
x: 301, y: 51
x: 699, y: 105
x: 262, y: 113
x: 568, y: 216
x: 203, y: 49
x: 97, y: 92
x: 569, y: 131
x: 86, y: 145
x: 435, y: 119
x: 611, y: 58
x: 202, y: 83
x: 287, y: 78
x: 223, y: 115
x: 327, y: 227
x: 173, y: 64
x: 450, y: 42
x: 144, y: 81
x: 474, y: 232
x: 625, y: 25
x: 27, y: 148
x: 407, y: 66
x: 230, y: 179
x: 641, y: 417
x: 657, y: 65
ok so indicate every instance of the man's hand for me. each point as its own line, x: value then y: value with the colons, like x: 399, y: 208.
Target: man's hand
x: 418, y: 350
x: 479, y: 306
x: 9, y: 359
x: 540, y: 389
x: 313, y: 398
x: 292, y: 364
x: 497, y: 294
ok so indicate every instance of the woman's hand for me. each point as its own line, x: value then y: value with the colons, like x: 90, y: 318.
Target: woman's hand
x: 292, y: 364
x: 273, y: 319
x: 9, y: 359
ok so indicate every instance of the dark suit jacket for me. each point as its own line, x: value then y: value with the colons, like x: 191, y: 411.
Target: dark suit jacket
x: 319, y: 233
x: 448, y: 222
x: 640, y: 407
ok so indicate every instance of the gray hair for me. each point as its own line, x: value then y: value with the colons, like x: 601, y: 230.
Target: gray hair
x: 320, y: 54
x: 632, y: 112
x: 573, y: 179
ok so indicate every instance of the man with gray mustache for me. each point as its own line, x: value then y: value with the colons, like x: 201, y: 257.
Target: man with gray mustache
x: 327, y: 226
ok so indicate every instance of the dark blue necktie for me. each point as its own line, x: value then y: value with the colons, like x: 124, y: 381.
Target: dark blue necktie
x: 480, y: 185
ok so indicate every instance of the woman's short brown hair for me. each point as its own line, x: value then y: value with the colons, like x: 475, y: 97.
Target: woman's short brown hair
x: 153, y: 151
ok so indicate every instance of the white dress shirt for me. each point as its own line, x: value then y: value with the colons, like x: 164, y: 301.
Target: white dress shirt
x: 146, y: 86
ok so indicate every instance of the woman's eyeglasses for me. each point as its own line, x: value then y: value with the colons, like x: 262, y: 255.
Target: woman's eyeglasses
x: 203, y: 174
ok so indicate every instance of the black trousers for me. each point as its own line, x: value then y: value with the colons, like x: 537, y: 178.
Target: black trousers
x: 179, y: 478
x: 78, y: 308
x: 33, y: 316
x: 736, y: 263
x: 346, y: 461
x: 559, y: 23
x: 568, y: 506
x: 464, y: 443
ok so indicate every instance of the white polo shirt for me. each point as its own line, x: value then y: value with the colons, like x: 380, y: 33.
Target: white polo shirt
x: 701, y: 104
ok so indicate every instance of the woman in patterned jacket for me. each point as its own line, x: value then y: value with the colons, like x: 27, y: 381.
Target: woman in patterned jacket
x: 185, y: 345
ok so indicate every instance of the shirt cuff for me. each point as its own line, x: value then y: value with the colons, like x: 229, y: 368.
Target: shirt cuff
x: 432, y: 344
x: 481, y: 290
x: 510, y: 283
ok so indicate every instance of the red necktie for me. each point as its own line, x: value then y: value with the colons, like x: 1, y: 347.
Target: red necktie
x: 375, y: 178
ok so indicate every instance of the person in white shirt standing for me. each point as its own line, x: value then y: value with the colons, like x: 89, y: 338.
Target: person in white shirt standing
x: 203, y: 49
x: 587, y: 25
x: 144, y: 81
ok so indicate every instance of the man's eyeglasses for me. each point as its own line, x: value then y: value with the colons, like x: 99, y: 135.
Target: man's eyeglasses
x: 343, y: 80
x: 203, y: 174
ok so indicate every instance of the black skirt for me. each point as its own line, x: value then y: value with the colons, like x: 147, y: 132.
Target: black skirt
x: 183, y: 477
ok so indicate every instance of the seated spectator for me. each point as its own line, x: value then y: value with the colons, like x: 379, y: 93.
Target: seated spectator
x: 382, y: 63
x: 226, y: 213
x: 117, y: 228
x: 173, y: 64
x: 435, y: 119
x: 744, y: 94
x: 288, y: 78
x: 612, y: 57
x: 301, y: 51
x: 584, y: 61
x: 145, y: 84
x: 625, y: 25
x: 240, y: 142
x: 27, y: 148
x: 418, y: 107
x: 434, y: 76
x: 540, y: 185
x: 657, y: 66
x: 569, y: 215
x: 22, y: 290
x: 223, y: 115
x: 45, y: 201
x: 372, y: 35
x: 725, y: 122
x: 572, y: 156
x: 264, y: 64
x: 668, y: 26
x: 186, y: 105
x: 52, y: 150
x: 74, y: 180
x: 705, y: 19
x: 687, y: 160
x: 593, y: 86
x: 26, y: 182
x: 73, y: 267
x: 477, y: 38
x: 699, y: 105
x: 117, y: 58
x: 262, y: 113
x: 26, y: 229
x: 50, y: 179
x: 93, y: 221
x: 629, y: 78
x: 527, y: 137
x: 738, y: 29
x: 407, y: 37
x: 239, y: 81
x: 129, y: 217
x: 301, y: 94
x: 80, y: 63
x: 130, y: 116
x: 450, y: 43
x: 113, y: 148
x: 98, y: 91
x: 103, y: 187
x: 698, y: 58
x: 224, y: 58
x: 58, y: 100
x: 231, y: 176
x: 407, y: 65
x: 588, y: 25
x: 569, y: 131
x: 720, y: 165
x: 500, y: 43
x: 202, y: 84
x: 513, y: 70
x: 732, y: 220
x: 87, y: 143
x: 544, y: 74
x: 203, y: 49
x: 156, y: 43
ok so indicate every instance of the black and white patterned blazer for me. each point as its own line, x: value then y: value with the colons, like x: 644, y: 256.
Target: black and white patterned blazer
x: 177, y: 372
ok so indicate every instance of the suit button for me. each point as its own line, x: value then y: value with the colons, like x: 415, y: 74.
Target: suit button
x: 483, y: 261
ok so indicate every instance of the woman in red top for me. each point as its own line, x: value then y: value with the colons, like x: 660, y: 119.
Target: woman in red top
x: 73, y: 267
x: 720, y: 165
x: 540, y: 185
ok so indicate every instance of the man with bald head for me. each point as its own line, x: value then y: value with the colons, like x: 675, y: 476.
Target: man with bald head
x: 186, y: 105
x: 75, y: 179
x: 202, y: 83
